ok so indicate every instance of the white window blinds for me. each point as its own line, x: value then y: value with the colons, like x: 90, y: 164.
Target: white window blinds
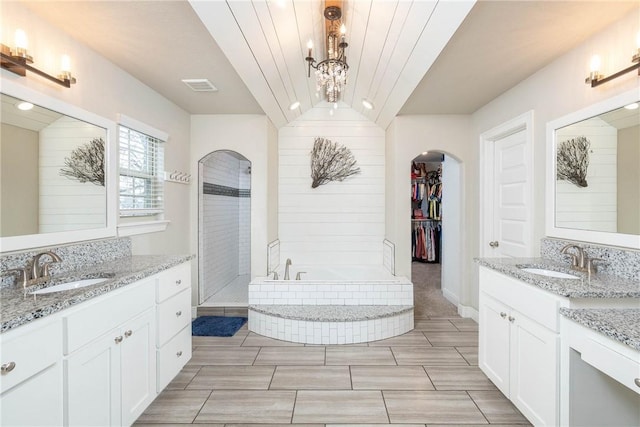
x: 141, y: 167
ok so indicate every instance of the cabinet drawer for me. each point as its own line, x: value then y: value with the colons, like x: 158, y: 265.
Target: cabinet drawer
x: 173, y: 315
x: 173, y: 281
x: 97, y: 318
x: 537, y: 304
x: 604, y: 358
x: 29, y: 351
x: 173, y: 356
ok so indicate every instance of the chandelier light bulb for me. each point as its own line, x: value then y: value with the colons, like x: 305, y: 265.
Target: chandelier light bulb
x: 343, y: 29
x: 638, y: 40
x: 309, y: 47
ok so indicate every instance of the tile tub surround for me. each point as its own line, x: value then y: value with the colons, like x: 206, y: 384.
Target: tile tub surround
x: 330, y: 324
x: 620, y: 324
x: 74, y: 256
x: 17, y: 308
x: 599, y: 286
x: 618, y: 261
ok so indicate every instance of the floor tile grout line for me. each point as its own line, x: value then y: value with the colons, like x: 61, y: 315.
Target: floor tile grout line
x: 200, y: 410
x: 429, y: 376
x: 384, y: 402
x: 462, y: 355
x: 293, y: 410
x: 273, y: 375
x: 394, y: 356
x: 476, y: 404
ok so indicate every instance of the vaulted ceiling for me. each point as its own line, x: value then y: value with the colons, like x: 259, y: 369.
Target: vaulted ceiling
x: 407, y: 56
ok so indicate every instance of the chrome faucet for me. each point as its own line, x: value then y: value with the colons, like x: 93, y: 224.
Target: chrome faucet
x: 581, y: 261
x: 42, y: 273
x: 286, y: 269
x: 33, y: 273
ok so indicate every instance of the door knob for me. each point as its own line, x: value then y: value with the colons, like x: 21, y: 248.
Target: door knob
x: 637, y: 381
x: 494, y: 244
x: 118, y: 340
x: 503, y: 314
x: 512, y: 319
x: 128, y: 333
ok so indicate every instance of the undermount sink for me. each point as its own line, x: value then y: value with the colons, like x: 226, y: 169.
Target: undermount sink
x: 76, y: 284
x: 548, y: 273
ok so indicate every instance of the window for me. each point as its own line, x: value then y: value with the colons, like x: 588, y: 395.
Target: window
x: 141, y: 168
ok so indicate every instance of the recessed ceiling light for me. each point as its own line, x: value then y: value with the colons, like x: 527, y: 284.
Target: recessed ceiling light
x: 367, y: 104
x: 633, y: 106
x: 424, y: 153
x: 200, y: 85
x: 24, y: 106
x: 295, y: 105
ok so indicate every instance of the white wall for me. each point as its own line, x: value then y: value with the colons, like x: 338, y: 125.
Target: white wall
x: 593, y: 207
x: 107, y: 90
x: 67, y: 204
x: 629, y: 180
x: 338, y: 222
x: 250, y: 136
x: 452, y: 214
x: 406, y: 138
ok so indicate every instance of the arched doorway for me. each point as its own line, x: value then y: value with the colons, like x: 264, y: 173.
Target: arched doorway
x: 224, y: 229
x: 436, y: 213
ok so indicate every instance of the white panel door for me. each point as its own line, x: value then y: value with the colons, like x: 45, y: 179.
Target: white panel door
x: 511, y: 213
x: 507, y: 189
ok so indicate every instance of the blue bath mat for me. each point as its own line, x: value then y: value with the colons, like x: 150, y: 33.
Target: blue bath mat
x: 216, y: 326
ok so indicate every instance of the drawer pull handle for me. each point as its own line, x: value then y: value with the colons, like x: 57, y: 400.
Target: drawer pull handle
x: 179, y: 281
x: 503, y: 314
x: 179, y: 353
x: 511, y: 319
x: 128, y: 333
x: 8, y: 367
x: 179, y: 313
x: 637, y: 381
x: 118, y: 340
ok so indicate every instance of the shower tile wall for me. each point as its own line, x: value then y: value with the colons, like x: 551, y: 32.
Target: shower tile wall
x: 224, y: 248
x: 244, y: 241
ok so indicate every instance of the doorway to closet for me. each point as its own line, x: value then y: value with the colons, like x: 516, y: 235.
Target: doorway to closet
x: 224, y: 230
x: 436, y: 206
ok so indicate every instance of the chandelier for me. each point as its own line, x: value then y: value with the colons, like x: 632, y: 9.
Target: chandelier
x: 331, y: 74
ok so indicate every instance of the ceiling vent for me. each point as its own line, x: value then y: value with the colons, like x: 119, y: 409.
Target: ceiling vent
x: 200, y: 85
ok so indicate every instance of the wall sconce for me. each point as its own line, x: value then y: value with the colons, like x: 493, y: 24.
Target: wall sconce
x: 596, y: 79
x: 18, y: 62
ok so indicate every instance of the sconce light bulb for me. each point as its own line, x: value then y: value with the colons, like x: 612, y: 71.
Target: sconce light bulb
x: 21, y: 39
x: 65, y: 64
x: 343, y: 29
x: 595, y: 64
x: 638, y: 40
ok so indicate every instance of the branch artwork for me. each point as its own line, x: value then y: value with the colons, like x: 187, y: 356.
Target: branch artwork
x: 573, y: 160
x: 331, y: 161
x: 86, y: 163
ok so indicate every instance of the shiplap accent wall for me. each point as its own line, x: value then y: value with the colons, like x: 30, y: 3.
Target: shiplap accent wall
x: 67, y: 204
x: 339, y: 222
x: 593, y: 207
x: 225, y: 230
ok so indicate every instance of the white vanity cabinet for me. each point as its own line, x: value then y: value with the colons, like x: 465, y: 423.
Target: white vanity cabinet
x: 519, y: 342
x: 110, y: 366
x: 31, y: 377
x: 173, y: 341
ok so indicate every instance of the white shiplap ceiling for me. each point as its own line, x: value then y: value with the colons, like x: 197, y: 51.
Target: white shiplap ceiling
x: 256, y: 54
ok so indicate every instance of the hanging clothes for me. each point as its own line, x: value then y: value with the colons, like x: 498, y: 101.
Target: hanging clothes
x: 425, y: 241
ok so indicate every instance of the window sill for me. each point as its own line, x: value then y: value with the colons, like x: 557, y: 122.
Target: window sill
x: 143, y: 227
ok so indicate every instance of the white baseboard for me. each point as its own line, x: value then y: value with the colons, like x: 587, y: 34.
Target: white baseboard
x: 466, y: 311
x: 451, y: 297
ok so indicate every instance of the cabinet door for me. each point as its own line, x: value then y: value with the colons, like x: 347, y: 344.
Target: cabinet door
x: 34, y: 402
x: 138, y: 366
x: 493, y: 344
x: 534, y: 370
x: 93, y: 384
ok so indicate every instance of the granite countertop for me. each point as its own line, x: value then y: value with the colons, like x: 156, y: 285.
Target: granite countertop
x: 598, y: 286
x: 331, y: 313
x: 620, y: 324
x: 19, y: 307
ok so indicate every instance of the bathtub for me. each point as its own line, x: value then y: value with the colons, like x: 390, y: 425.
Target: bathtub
x: 331, y: 305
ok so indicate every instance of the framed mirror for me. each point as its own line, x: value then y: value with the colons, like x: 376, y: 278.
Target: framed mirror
x: 593, y: 173
x: 57, y: 175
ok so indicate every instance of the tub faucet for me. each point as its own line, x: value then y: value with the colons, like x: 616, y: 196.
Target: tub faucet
x: 286, y: 269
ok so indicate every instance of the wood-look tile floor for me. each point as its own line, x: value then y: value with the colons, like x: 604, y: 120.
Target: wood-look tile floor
x: 427, y: 377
